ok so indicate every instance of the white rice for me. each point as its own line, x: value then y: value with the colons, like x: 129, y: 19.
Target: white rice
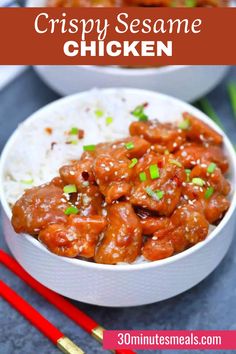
x: 33, y: 161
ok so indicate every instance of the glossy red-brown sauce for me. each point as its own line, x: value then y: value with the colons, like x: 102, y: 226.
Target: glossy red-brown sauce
x: 121, y: 209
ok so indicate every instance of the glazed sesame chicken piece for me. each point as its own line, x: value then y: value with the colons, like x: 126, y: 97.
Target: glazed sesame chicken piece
x: 123, y: 236
x: 162, y: 193
x: 78, y: 173
x: 88, y: 198
x: 78, y: 237
x: 155, y: 250
x: 38, y: 207
x: 192, y: 221
x: 113, y: 176
x: 89, y: 201
x: 214, y: 179
x: 215, y: 208
x: 131, y: 147
x: 199, y: 131
x: 187, y: 226
x: 152, y: 224
x: 192, y: 154
x: 164, y: 134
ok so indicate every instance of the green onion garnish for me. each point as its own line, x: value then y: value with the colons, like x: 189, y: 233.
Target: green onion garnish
x: 187, y: 171
x: 109, y: 120
x: 208, y: 109
x: 176, y: 162
x: 184, y: 125
x: 89, y: 147
x: 157, y: 195
x: 138, y: 112
x: 198, y: 181
x: 99, y: 113
x: 211, y: 168
x: 27, y: 181
x: 142, y: 176
x: 71, y: 210
x: 134, y: 161
x: 209, y: 192
x: 70, y: 188
x: 232, y: 96
x: 129, y: 145
x: 74, y: 131
x: 190, y: 3
x: 154, y: 171
x: 73, y: 142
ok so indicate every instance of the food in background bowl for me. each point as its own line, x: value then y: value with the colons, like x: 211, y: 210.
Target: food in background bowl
x: 146, y: 3
x: 146, y: 197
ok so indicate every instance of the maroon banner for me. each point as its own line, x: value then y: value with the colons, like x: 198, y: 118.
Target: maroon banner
x: 117, y: 36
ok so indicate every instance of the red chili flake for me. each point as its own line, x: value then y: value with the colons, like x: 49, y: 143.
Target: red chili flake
x: 177, y: 181
x: 48, y: 130
x: 85, y: 175
x: 145, y: 104
x: 160, y: 164
x: 81, y: 134
x: 53, y: 144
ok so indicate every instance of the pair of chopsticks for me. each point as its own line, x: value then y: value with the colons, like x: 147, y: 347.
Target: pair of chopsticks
x: 41, y: 323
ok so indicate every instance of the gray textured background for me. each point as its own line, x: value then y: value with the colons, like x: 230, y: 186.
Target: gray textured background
x: 209, y: 305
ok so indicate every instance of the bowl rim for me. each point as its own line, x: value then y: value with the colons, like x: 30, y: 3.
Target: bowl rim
x: 125, y: 267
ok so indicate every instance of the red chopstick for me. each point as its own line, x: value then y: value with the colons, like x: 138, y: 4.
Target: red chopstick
x: 40, y: 322
x: 72, y: 312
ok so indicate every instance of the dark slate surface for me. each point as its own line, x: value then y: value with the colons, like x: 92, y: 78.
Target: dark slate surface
x: 210, y: 305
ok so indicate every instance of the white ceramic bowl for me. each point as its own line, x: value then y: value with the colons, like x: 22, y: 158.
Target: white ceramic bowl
x: 187, y: 82
x: 122, y: 285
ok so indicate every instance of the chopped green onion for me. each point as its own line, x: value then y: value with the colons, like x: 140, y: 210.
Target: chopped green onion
x: 27, y: 181
x: 209, y: 192
x: 138, y: 112
x: 190, y: 3
x: 232, y: 96
x: 198, y: 181
x: 73, y: 142
x: 142, y: 176
x: 74, y: 131
x: 211, y: 168
x: 109, y: 120
x: 89, y: 147
x: 134, y: 161
x: 71, y: 210
x: 70, y: 188
x: 99, y: 113
x: 154, y: 171
x: 187, y: 171
x: 129, y: 145
x: 208, y: 109
x: 176, y: 162
x: 184, y: 125
x: 157, y: 195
